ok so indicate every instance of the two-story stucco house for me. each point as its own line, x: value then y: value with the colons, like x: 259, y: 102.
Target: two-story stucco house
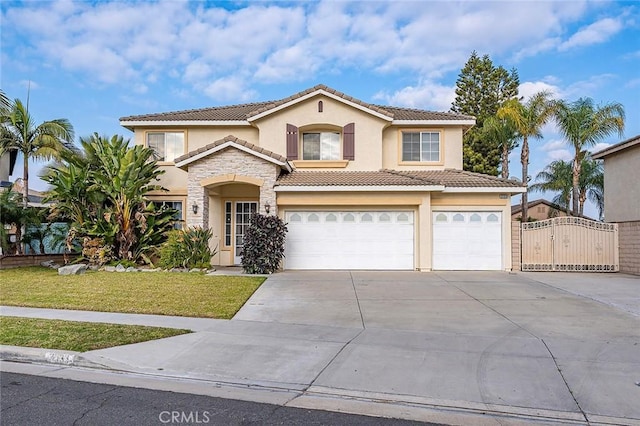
x: 360, y: 186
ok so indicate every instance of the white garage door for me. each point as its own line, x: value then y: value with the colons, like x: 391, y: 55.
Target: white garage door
x: 469, y: 241
x: 349, y: 240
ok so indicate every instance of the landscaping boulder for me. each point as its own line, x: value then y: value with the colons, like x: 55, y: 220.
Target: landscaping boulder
x: 72, y: 269
x: 120, y: 268
x: 110, y: 268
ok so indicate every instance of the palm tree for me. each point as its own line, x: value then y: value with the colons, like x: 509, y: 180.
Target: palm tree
x: 583, y: 125
x: 556, y: 177
x: 45, y: 141
x: 528, y: 119
x: 591, y: 184
x: 502, y: 133
x: 110, y: 205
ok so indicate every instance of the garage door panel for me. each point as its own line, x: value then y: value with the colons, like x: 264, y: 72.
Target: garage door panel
x: 467, y: 240
x: 349, y: 240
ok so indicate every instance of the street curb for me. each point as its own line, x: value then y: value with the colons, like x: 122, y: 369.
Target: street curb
x: 47, y: 356
x: 314, y: 397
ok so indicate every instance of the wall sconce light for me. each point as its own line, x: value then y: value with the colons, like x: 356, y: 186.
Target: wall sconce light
x: 194, y: 207
x: 267, y: 207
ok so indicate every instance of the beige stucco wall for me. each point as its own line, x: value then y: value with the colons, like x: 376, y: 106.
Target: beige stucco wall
x: 335, y: 114
x: 451, y: 145
x: 622, y: 194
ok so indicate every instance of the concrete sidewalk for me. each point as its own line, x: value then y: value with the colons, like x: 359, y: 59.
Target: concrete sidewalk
x: 458, y: 348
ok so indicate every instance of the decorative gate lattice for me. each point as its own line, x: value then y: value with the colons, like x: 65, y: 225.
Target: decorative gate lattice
x: 570, y: 244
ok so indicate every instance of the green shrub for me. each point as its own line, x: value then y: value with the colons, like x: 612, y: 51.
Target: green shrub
x: 187, y: 249
x: 263, y: 248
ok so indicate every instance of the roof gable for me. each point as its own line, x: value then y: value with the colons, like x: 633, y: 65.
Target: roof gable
x: 232, y: 142
x: 317, y: 91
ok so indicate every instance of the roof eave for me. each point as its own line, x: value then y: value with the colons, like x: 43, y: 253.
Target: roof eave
x: 616, y: 148
x: 465, y: 123
x: 359, y: 188
x: 486, y: 189
x: 130, y: 124
x: 284, y: 164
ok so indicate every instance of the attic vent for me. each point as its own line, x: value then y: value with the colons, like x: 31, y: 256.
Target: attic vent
x: 320, y: 106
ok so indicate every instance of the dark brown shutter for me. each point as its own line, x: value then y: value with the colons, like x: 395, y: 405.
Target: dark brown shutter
x: 348, y: 142
x: 292, y: 142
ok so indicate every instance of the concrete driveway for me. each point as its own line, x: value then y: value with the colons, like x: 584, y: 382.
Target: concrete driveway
x: 558, y: 345
x: 457, y: 348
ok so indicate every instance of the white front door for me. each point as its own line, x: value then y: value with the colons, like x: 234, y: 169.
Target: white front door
x: 243, y: 212
x: 349, y: 240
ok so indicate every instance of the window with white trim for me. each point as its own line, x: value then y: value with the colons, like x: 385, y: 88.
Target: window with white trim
x: 321, y: 146
x: 421, y: 146
x: 176, y: 205
x: 166, y: 145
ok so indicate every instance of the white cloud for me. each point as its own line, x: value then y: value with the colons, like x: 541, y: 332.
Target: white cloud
x: 556, y: 149
x: 530, y: 88
x: 29, y: 84
x: 229, y: 89
x: 215, y: 49
x: 633, y: 83
x: 427, y: 95
x: 599, y: 147
x: 597, y: 32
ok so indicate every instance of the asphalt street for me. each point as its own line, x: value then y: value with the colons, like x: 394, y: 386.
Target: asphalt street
x: 36, y: 400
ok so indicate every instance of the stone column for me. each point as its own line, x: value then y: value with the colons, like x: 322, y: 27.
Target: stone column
x: 198, y: 195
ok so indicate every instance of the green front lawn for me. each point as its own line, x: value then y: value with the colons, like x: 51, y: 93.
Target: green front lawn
x: 161, y: 293
x: 76, y: 336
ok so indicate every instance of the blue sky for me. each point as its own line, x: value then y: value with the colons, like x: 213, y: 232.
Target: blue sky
x: 93, y: 62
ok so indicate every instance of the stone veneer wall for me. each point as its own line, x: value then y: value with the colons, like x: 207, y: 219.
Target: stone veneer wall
x: 629, y: 242
x: 229, y: 161
x: 516, y: 246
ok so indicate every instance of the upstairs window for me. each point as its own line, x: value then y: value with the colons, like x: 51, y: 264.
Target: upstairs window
x: 167, y: 145
x: 421, y: 146
x: 321, y: 146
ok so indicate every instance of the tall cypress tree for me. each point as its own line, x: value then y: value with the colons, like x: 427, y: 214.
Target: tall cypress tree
x: 481, y: 89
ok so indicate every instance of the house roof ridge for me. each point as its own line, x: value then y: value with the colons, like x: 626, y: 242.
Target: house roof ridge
x: 407, y: 175
x: 482, y: 175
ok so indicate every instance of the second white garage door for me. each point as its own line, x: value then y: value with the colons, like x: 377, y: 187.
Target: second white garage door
x: 349, y: 240
x: 469, y: 241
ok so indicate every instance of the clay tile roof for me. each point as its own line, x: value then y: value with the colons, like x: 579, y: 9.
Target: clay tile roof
x: 234, y: 139
x: 243, y: 112
x: 459, y: 178
x: 419, y: 114
x: 221, y: 113
x: 345, y: 178
x: 447, y: 178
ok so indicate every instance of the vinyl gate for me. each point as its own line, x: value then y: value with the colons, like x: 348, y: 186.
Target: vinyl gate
x: 570, y: 244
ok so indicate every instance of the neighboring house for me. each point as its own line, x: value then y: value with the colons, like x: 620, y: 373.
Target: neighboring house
x: 540, y: 209
x: 622, y: 198
x: 360, y: 186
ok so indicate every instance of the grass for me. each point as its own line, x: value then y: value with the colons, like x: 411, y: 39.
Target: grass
x: 161, y: 293
x: 76, y: 336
